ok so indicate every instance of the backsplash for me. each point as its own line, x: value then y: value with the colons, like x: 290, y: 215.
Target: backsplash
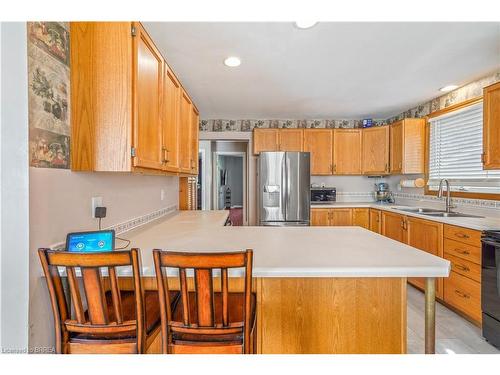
x: 463, y: 202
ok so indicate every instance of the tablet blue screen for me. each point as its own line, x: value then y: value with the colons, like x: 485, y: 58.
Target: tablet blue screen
x: 90, y: 242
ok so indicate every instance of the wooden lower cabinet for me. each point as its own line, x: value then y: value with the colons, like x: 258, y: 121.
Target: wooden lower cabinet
x: 393, y: 226
x: 340, y: 217
x: 425, y: 235
x: 375, y: 220
x: 187, y: 193
x: 361, y: 217
x: 464, y: 294
x: 462, y: 289
x: 320, y: 217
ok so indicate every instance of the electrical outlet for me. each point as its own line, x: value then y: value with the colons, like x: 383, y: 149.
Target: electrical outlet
x: 162, y: 194
x: 96, y: 202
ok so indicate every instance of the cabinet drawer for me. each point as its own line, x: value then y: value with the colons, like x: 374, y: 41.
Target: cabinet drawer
x: 463, y: 294
x: 468, y: 236
x: 464, y: 267
x: 462, y: 250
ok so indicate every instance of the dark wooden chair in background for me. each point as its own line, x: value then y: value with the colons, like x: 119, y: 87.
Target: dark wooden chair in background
x: 114, y: 321
x: 206, y: 321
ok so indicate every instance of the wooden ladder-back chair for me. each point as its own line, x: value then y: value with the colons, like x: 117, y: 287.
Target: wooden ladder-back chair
x: 113, y: 321
x: 205, y: 321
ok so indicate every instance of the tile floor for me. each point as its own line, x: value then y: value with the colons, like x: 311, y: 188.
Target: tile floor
x: 454, y: 334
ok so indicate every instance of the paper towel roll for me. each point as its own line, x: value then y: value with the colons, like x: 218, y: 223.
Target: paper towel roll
x: 418, y: 182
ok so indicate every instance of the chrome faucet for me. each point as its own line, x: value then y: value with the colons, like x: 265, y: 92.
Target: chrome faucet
x: 448, y: 194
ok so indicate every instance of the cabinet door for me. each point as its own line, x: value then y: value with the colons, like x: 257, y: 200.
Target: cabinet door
x: 171, y: 119
x: 413, y: 149
x: 185, y: 134
x: 375, y: 154
x: 347, y: 151
x: 265, y: 140
x: 195, y: 119
x: 341, y: 217
x: 427, y: 236
x: 319, y: 142
x: 361, y: 217
x: 320, y: 217
x: 491, y: 127
x: 291, y: 139
x: 393, y: 226
x: 396, y: 142
x: 148, y: 79
x: 375, y: 220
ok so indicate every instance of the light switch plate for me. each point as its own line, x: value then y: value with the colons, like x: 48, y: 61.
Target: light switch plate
x: 162, y: 194
x: 96, y: 202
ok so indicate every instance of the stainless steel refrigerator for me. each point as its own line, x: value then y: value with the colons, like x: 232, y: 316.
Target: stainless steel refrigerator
x: 284, y: 188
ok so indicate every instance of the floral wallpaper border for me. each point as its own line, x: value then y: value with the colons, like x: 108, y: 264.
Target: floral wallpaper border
x: 468, y: 91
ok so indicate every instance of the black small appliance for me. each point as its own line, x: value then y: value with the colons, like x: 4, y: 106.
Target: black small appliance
x: 323, y: 195
x: 490, y: 286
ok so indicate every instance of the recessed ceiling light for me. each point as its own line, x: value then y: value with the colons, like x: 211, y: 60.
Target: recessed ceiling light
x: 448, y: 88
x: 305, y: 24
x: 232, y: 61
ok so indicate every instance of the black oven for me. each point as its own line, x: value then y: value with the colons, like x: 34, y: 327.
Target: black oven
x: 323, y: 195
x: 490, y: 286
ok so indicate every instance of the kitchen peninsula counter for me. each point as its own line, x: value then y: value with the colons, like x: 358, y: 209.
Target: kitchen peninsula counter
x: 319, y: 289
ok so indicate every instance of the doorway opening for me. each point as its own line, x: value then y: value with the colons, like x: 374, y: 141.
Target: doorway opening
x: 230, y: 184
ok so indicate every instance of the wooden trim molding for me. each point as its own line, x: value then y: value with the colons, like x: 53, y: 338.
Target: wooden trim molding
x: 440, y: 112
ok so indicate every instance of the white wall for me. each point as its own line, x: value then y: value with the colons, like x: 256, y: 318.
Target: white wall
x: 60, y: 202
x: 14, y: 187
x: 343, y: 184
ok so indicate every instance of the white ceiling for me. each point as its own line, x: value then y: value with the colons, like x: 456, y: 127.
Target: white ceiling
x: 333, y: 70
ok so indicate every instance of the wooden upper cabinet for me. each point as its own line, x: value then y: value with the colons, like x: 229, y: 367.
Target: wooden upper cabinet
x: 185, y: 144
x: 171, y: 120
x: 375, y: 220
x: 347, y: 151
x: 491, y: 127
x: 396, y: 152
x: 375, y: 150
x: 125, y: 101
x: 291, y: 140
x: 393, y: 226
x: 148, y: 82
x: 265, y: 140
x: 101, y: 96
x: 407, y: 143
x: 195, y: 120
x: 319, y: 142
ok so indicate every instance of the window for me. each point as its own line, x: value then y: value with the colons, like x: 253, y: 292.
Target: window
x: 455, y: 149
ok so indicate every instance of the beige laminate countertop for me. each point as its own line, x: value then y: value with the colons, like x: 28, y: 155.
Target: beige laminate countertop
x: 484, y: 223
x: 288, y: 251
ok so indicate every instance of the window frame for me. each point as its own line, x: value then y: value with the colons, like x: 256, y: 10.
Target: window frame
x: 440, y: 112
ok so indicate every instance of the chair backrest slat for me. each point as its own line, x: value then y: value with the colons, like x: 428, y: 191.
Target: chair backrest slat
x: 74, y: 289
x: 185, y: 296
x: 204, y: 297
x: 116, y: 295
x: 224, y: 290
x: 96, y: 299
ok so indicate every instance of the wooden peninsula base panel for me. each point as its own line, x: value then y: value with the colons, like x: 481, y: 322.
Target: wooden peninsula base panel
x: 316, y: 315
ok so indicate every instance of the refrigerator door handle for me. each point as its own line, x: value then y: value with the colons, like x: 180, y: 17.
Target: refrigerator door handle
x: 284, y: 187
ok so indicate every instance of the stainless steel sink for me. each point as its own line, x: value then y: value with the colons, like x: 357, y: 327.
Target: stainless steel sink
x: 450, y: 214
x: 419, y: 210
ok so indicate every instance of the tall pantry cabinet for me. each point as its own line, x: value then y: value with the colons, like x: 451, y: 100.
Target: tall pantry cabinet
x: 129, y: 112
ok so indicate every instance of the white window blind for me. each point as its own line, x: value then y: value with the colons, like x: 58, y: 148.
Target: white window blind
x: 455, y: 149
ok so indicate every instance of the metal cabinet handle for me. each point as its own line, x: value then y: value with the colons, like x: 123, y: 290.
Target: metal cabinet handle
x: 165, y: 155
x: 462, y: 235
x: 462, y: 294
x: 463, y: 268
x: 464, y: 252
